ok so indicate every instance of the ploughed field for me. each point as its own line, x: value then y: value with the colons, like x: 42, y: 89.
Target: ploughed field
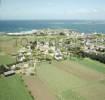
x: 75, y: 79
x: 12, y: 88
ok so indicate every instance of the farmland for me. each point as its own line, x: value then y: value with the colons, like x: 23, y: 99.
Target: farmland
x: 74, y: 79
x: 12, y: 88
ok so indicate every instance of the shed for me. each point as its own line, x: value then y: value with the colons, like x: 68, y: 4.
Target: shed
x: 9, y: 73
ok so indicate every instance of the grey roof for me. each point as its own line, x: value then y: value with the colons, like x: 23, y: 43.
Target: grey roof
x: 9, y: 72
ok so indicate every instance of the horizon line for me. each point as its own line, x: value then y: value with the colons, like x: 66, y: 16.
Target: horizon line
x: 52, y: 19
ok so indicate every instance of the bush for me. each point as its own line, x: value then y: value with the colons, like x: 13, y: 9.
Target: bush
x: 49, y: 58
x: 50, y: 51
x: 32, y: 97
x: 17, y: 68
x: 32, y: 74
x: 2, y: 69
x: 94, y: 56
x: 65, y: 57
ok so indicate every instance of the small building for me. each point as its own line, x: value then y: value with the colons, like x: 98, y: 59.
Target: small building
x: 9, y: 73
x: 21, y: 57
x: 58, y: 55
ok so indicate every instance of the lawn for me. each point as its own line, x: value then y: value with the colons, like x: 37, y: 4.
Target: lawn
x: 74, y: 79
x: 12, y: 88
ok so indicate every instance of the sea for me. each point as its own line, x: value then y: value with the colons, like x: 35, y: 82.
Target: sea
x: 83, y: 26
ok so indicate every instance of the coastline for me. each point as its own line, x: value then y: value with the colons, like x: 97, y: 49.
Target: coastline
x: 48, y: 31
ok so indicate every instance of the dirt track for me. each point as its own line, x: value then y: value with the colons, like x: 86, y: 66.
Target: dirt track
x: 38, y: 89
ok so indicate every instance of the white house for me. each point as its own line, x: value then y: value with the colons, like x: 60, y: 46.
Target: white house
x: 21, y: 57
x: 58, y: 55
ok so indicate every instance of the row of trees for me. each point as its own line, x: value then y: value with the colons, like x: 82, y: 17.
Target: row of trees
x: 3, y: 68
x: 94, y: 56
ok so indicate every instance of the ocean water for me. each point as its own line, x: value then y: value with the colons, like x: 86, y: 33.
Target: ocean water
x: 86, y: 26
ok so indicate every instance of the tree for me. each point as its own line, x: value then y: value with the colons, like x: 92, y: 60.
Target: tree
x: 3, y: 69
x: 62, y: 33
x: 49, y: 58
x: 50, y: 51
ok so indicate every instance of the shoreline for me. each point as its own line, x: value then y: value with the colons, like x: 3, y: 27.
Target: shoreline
x: 47, y: 30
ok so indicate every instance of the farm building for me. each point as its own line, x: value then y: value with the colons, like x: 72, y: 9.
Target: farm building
x: 9, y: 73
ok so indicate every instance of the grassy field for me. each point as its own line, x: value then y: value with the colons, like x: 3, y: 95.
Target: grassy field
x: 12, y: 88
x: 6, y: 59
x: 92, y: 64
x: 74, y: 79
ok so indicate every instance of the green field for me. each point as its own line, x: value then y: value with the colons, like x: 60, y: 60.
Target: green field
x: 6, y: 59
x: 92, y: 64
x: 12, y: 88
x: 74, y: 79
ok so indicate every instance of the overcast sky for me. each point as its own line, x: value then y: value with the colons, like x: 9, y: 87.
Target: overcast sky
x: 52, y: 9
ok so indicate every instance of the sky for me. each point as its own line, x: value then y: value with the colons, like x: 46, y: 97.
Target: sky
x: 52, y: 9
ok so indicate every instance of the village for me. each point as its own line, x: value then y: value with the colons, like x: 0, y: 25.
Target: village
x: 54, y: 44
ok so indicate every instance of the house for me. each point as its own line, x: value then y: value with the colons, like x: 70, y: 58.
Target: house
x: 21, y: 57
x: 29, y: 53
x: 13, y: 67
x: 9, y: 73
x: 58, y: 55
x: 22, y: 50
